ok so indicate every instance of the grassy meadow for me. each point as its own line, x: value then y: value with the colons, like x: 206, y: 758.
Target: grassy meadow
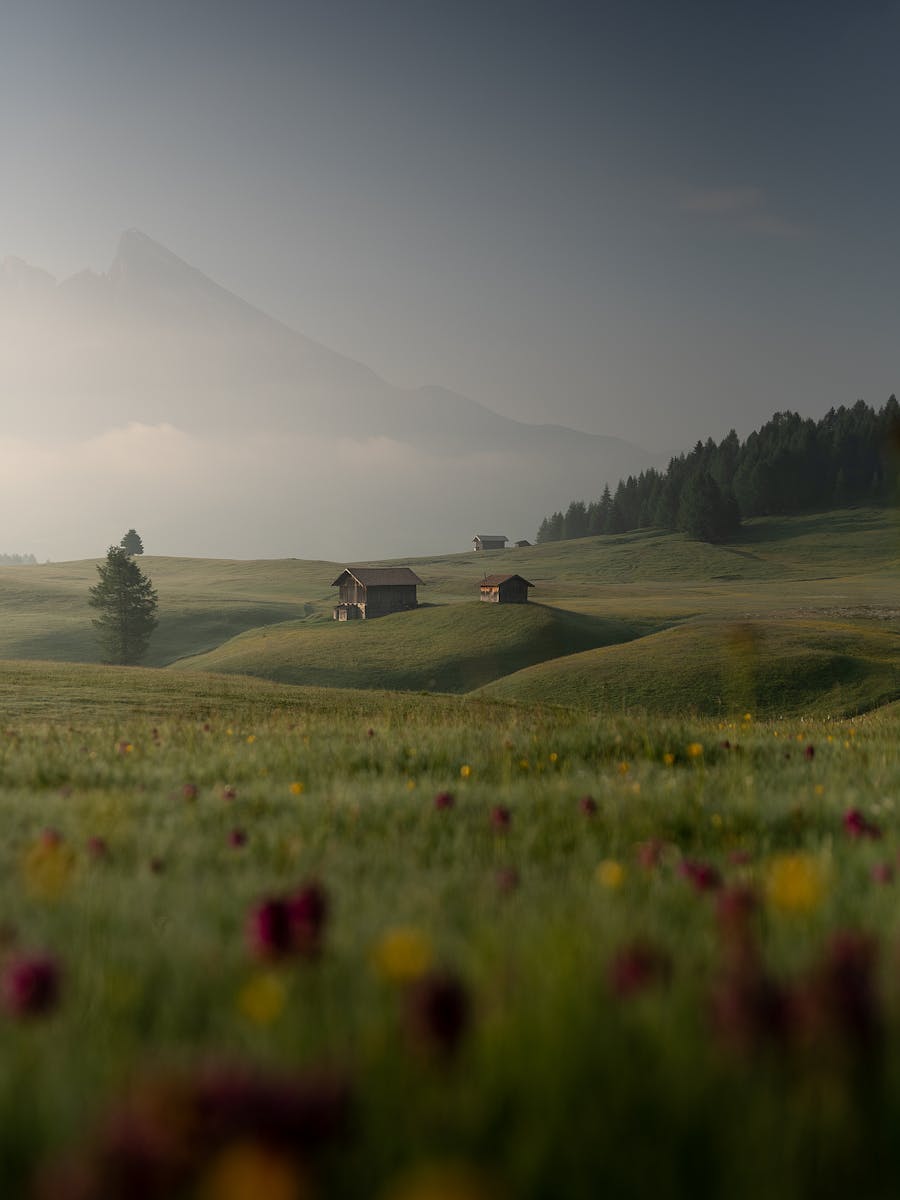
x: 593, y: 897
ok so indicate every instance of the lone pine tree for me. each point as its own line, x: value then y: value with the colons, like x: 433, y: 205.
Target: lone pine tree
x: 127, y: 605
x: 131, y: 543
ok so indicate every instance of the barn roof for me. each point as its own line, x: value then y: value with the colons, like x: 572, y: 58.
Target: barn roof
x: 379, y: 576
x: 492, y: 537
x: 496, y: 580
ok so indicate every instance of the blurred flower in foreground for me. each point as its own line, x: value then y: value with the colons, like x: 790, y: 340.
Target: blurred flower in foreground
x: 702, y: 876
x: 588, y: 805
x: 438, y: 1012
x: 443, y: 1181
x: 610, y: 874
x: 795, y: 883
x: 856, y: 825
x: 444, y: 800
x: 48, y: 866
x: 639, y: 966
x: 249, y: 1171
x: 501, y: 818
x: 402, y: 955
x: 289, y: 925
x: 262, y: 999
x: 30, y: 985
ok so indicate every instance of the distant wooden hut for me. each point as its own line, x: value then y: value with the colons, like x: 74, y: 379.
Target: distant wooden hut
x: 490, y: 541
x: 367, y: 592
x: 520, y: 545
x: 505, y: 589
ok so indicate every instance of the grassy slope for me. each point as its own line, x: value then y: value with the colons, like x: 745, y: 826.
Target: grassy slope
x: 451, y: 648
x: 771, y: 667
x: 837, y: 567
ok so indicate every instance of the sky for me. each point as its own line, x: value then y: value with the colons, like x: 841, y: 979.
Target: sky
x: 643, y: 219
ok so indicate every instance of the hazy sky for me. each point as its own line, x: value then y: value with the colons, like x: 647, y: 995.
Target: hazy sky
x: 653, y: 220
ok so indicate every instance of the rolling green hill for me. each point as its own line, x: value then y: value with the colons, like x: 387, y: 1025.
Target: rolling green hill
x: 450, y: 648
x: 770, y: 668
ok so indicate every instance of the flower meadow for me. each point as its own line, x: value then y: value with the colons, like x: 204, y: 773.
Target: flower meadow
x: 411, y: 948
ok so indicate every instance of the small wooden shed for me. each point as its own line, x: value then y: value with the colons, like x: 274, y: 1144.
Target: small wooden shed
x: 490, y: 541
x: 367, y: 592
x: 505, y: 589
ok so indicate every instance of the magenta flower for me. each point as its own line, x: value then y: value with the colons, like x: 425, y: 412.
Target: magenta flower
x: 229, y: 792
x: 190, y: 791
x: 308, y: 912
x: 637, y: 967
x: 649, y: 854
x: 284, y: 926
x: 269, y: 929
x: 856, y: 825
x: 588, y: 805
x: 51, y: 838
x: 702, y: 876
x: 237, y: 838
x: 883, y: 873
x: 97, y: 848
x: 30, y: 985
x: 438, y: 1013
x: 501, y: 818
x: 444, y: 800
x: 810, y: 752
x: 749, y: 1008
x: 507, y: 880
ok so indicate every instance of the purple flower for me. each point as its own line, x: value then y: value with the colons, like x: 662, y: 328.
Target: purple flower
x: 97, y: 848
x: 637, y: 967
x: 237, y: 838
x: 438, y: 1013
x: 588, y: 805
x: 856, y: 825
x: 444, y: 800
x: 501, y: 818
x: 229, y: 792
x: 30, y: 985
x: 269, y: 929
x: 810, y: 752
x: 702, y: 876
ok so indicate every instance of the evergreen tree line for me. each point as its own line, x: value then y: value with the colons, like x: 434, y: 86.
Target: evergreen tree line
x: 17, y: 560
x: 792, y: 464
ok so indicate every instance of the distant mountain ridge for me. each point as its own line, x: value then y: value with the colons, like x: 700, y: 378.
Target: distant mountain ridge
x: 193, y: 351
x: 218, y: 426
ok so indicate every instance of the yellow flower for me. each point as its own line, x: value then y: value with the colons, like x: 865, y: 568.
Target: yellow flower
x: 523, y: 763
x: 410, y: 785
x: 623, y: 768
x: 819, y: 789
x: 442, y: 1181
x: 553, y: 756
x: 695, y: 749
x: 251, y: 738
x: 47, y: 867
x: 297, y: 788
x: 262, y: 999
x: 748, y: 717
x: 795, y: 883
x: 465, y: 771
x: 250, y: 1171
x: 669, y: 758
x: 610, y: 874
x: 402, y: 955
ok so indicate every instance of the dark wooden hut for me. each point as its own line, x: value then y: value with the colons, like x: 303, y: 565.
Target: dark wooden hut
x: 490, y: 541
x: 368, y: 592
x: 505, y: 589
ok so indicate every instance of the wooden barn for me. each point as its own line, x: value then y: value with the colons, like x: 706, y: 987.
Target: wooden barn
x: 368, y: 592
x: 505, y: 589
x: 490, y: 541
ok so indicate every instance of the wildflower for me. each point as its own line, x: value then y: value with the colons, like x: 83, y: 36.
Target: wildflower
x: 444, y: 800
x: 97, y: 848
x: 438, y: 1012
x: 465, y: 771
x: 501, y: 818
x: 248, y: 1170
x: 638, y: 966
x: 610, y: 874
x: 882, y: 873
x: 48, y: 866
x: 157, y: 865
x: 30, y: 985
x: 749, y: 1009
x: 308, y: 911
x: 740, y: 857
x: 809, y: 753
x: 623, y: 768
x: 237, y: 838
x: 795, y: 883
x: 841, y: 998
x: 702, y: 876
x: 262, y: 999
x: 507, y: 880
x: 402, y: 955
x: 190, y: 791
x: 229, y: 792
x: 269, y: 929
x: 297, y: 788
x: 668, y: 758
x: 588, y: 805
x: 124, y: 747
x: 649, y: 854
x: 856, y: 825
x: 553, y: 757
x: 251, y: 739
x: 695, y: 749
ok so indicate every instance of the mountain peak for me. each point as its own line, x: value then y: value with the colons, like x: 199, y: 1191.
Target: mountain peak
x: 140, y: 259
